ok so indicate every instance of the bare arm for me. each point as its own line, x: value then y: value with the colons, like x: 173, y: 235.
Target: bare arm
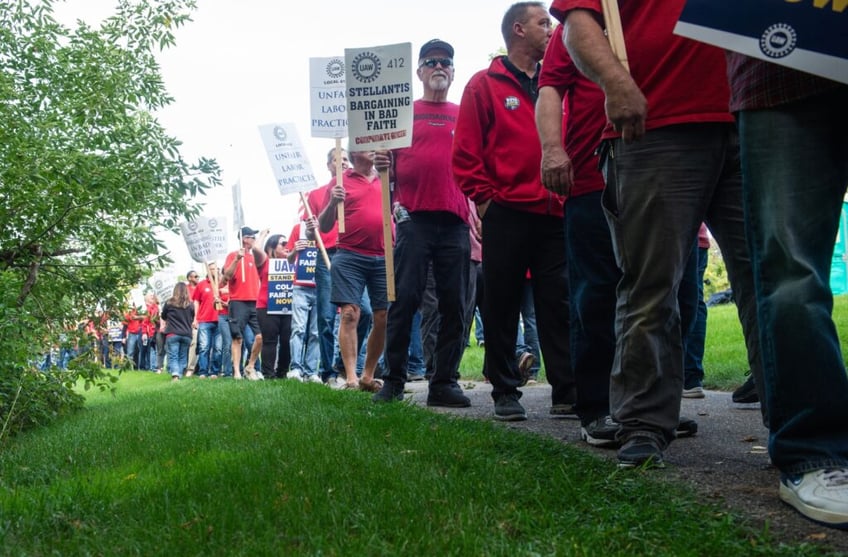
x: 557, y: 170
x: 626, y: 106
x: 327, y: 218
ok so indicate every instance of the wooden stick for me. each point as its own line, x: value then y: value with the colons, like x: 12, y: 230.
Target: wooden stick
x: 318, y: 238
x: 213, y: 280
x: 339, y: 177
x: 387, y: 235
x: 615, y: 33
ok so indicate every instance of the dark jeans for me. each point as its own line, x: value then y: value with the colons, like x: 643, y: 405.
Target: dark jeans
x: 513, y: 242
x: 440, y: 238
x: 693, y: 341
x: 795, y: 164
x: 659, y: 190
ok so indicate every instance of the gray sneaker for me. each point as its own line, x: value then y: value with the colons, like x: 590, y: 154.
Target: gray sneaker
x: 600, y: 432
x: 525, y: 363
x: 508, y: 409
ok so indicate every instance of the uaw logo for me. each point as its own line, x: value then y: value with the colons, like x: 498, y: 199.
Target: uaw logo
x: 280, y: 133
x: 366, y: 67
x: 778, y: 41
x: 193, y: 226
x: 512, y: 103
x: 213, y: 224
x: 336, y: 68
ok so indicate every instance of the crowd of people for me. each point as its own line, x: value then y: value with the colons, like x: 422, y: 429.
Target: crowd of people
x: 562, y: 201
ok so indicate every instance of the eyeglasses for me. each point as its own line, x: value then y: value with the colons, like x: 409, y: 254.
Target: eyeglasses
x: 433, y: 62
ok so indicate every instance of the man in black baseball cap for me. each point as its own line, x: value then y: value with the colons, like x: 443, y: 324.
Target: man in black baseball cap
x: 247, y: 232
x: 435, y: 44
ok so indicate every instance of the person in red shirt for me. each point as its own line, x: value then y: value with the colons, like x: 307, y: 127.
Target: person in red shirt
x: 359, y: 262
x: 242, y: 278
x: 132, y: 340
x: 496, y: 154
x: 327, y: 311
x: 192, y: 278
x: 206, y: 324
x: 667, y: 170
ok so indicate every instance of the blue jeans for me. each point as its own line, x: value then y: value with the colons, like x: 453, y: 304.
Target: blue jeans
x: 305, y: 355
x: 208, y: 348
x: 177, y: 353
x: 795, y: 167
x: 693, y: 341
x: 134, y: 348
x: 440, y: 238
x: 224, y: 345
x: 658, y: 192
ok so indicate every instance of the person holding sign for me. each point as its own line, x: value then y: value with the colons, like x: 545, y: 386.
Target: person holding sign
x: 668, y: 169
x: 206, y: 323
x: 496, y: 154
x: 303, y: 253
x: 359, y: 262
x: 327, y: 311
x: 274, y: 323
x: 431, y: 216
x: 794, y: 148
x: 242, y: 279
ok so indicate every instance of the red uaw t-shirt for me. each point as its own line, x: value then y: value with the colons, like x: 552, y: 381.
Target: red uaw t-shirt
x: 243, y: 287
x: 363, y: 214
x: 683, y: 80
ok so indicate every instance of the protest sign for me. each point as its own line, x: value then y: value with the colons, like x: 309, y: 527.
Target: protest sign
x: 238, y: 209
x: 379, y: 96
x: 206, y: 238
x: 163, y: 283
x: 806, y: 35
x: 327, y: 97
x: 288, y: 160
x: 280, y: 286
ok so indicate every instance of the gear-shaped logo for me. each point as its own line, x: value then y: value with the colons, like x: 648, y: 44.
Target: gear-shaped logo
x: 280, y: 133
x: 213, y: 224
x: 366, y: 67
x: 335, y: 68
x: 193, y: 226
x: 778, y: 41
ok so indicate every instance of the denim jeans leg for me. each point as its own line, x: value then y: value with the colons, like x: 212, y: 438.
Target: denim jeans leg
x: 205, y: 338
x: 693, y: 343
x: 592, y: 278
x: 326, y: 317
x: 175, y: 367
x: 415, y: 365
x: 300, y: 321
x: 226, y: 344
x: 795, y: 168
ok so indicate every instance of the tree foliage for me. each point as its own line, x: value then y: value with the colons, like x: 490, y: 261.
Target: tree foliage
x: 88, y: 176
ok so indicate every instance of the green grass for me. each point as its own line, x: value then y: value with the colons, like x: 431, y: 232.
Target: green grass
x: 283, y: 468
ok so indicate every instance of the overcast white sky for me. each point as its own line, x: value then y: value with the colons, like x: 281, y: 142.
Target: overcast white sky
x: 243, y: 63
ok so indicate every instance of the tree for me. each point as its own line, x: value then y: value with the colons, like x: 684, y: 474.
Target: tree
x: 87, y: 174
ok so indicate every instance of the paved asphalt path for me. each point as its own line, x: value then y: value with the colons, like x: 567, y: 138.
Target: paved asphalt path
x: 726, y: 461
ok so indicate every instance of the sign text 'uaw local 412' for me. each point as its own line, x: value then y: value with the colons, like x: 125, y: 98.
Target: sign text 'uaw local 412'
x: 379, y: 96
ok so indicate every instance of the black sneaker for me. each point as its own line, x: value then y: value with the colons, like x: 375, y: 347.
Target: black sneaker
x: 640, y: 451
x: 508, y: 409
x: 687, y: 427
x: 600, y: 432
x: 747, y: 393
x: 389, y: 392
x: 449, y: 396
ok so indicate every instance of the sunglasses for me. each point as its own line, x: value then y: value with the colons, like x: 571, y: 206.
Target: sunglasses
x: 433, y: 62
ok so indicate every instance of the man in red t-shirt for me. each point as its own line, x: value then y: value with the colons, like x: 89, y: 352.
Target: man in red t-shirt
x: 206, y: 325
x: 359, y: 262
x: 667, y: 170
x: 242, y: 278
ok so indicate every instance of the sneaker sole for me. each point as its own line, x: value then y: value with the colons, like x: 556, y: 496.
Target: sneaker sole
x: 597, y: 441
x: 788, y: 496
x: 439, y: 403
x: 694, y: 393
x: 647, y: 464
x: 511, y: 417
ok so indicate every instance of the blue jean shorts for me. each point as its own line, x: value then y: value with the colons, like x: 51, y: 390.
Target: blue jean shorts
x: 352, y: 272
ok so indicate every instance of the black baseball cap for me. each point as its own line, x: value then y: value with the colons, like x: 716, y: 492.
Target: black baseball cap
x: 247, y: 231
x: 435, y: 44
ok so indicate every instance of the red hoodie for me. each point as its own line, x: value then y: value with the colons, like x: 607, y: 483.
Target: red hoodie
x: 496, y: 150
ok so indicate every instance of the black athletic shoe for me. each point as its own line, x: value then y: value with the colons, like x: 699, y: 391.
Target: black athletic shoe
x: 389, y: 392
x: 448, y: 396
x: 640, y: 451
x: 508, y: 409
x: 747, y: 393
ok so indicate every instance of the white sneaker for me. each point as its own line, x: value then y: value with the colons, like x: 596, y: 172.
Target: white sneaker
x: 821, y: 495
x: 314, y: 378
x: 294, y: 375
